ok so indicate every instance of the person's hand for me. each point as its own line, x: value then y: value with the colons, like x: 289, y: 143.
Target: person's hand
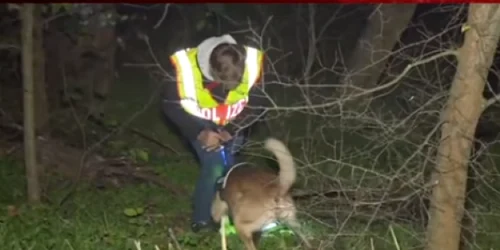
x: 225, y: 136
x: 210, y: 140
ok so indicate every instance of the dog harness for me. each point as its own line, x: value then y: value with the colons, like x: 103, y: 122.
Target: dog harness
x: 198, y: 101
x: 222, y: 181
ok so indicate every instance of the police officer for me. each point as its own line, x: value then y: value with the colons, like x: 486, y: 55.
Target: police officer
x: 216, y: 95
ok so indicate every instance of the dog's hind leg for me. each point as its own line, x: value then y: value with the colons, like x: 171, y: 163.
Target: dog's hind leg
x: 246, y: 236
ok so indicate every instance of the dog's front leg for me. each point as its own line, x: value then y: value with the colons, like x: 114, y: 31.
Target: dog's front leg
x: 248, y: 240
x: 245, y: 232
x: 256, y: 237
x: 219, y: 208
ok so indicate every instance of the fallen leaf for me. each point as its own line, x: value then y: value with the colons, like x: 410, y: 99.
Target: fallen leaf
x: 12, y: 211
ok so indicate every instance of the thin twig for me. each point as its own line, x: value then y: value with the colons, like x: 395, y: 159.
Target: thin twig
x: 394, y: 238
x: 10, y: 46
x: 222, y: 232
x: 137, y: 245
x: 165, y: 11
x: 142, y: 65
x: 155, y: 141
x: 491, y: 101
x: 172, y: 236
x: 145, y: 176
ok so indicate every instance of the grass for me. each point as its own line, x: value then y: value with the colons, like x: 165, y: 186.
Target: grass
x: 101, y: 219
x: 115, y: 219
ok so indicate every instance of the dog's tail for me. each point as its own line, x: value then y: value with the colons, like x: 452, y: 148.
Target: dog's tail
x: 285, y: 160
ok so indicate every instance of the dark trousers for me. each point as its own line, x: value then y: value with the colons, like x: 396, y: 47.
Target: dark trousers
x: 213, y: 167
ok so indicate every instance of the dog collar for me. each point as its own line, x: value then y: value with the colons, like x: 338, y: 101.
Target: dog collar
x: 229, y: 172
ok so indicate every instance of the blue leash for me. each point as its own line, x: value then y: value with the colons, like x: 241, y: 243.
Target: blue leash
x: 223, y: 155
x: 224, y: 167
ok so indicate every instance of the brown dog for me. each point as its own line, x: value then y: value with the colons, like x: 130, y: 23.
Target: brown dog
x: 257, y: 195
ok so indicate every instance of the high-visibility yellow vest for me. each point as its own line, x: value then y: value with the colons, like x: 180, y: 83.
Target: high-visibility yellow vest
x: 198, y: 101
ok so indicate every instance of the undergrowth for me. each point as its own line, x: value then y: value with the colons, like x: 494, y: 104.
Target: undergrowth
x: 119, y: 218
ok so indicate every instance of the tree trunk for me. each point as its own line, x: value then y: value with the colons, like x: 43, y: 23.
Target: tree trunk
x: 27, y: 17
x: 468, y: 223
x: 460, y: 118
x: 96, y: 75
x: 41, y: 102
x: 382, y: 32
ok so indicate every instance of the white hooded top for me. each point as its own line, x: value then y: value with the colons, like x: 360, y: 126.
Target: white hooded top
x: 205, y: 49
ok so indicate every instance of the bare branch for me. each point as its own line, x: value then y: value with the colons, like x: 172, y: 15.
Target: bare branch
x: 165, y: 11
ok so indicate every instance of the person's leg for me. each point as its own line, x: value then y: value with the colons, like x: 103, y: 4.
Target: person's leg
x: 212, y: 167
x: 232, y: 148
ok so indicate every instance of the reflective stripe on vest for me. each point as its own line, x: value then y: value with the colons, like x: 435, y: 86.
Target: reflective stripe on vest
x: 197, y: 100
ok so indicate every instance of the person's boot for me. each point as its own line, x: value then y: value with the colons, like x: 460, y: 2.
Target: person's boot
x: 208, y: 225
x: 204, y: 226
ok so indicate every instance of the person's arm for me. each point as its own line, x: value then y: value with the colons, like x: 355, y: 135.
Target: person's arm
x: 189, y: 125
x: 257, y: 105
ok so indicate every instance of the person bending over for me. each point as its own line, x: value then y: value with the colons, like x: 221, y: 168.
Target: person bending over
x: 216, y: 96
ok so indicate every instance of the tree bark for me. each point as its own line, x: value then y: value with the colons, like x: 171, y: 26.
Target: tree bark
x: 382, y: 32
x: 460, y: 119
x: 27, y: 17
